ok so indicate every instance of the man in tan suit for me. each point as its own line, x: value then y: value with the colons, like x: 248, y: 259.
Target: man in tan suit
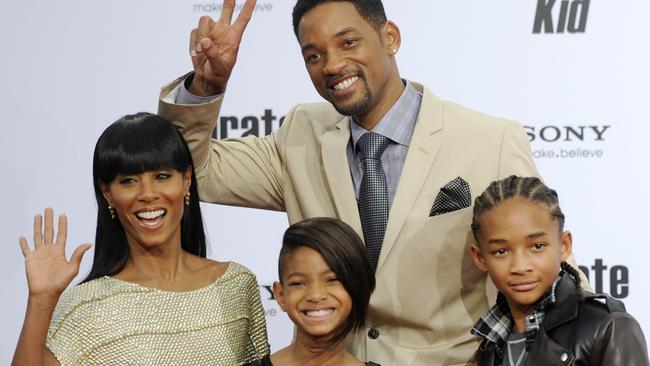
x: 440, y: 156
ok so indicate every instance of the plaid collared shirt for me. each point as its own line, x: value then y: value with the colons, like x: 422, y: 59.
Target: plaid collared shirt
x: 397, y: 125
x: 496, y: 325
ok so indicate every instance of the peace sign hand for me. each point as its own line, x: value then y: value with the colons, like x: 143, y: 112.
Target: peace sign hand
x: 214, y: 47
x: 48, y: 271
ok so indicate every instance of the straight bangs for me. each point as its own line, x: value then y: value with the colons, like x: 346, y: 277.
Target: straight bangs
x: 134, y: 144
x: 141, y: 143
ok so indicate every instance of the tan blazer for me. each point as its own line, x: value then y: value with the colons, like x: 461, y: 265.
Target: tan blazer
x: 429, y: 293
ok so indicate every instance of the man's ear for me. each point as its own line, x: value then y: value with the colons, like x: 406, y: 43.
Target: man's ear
x: 566, y: 245
x: 391, y: 37
x: 478, y: 258
x: 278, y: 293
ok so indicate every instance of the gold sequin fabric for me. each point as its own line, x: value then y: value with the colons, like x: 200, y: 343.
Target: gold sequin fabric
x: 112, y: 322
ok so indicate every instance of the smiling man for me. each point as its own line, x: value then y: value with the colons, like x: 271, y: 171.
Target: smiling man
x: 384, y: 154
x: 346, y: 58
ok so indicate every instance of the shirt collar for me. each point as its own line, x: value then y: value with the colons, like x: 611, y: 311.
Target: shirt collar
x: 496, y: 325
x: 398, y: 123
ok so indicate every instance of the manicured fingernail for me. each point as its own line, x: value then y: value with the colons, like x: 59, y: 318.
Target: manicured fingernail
x: 193, y: 53
x: 198, y: 47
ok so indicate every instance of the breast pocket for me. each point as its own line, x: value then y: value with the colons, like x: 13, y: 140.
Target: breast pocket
x: 450, y: 220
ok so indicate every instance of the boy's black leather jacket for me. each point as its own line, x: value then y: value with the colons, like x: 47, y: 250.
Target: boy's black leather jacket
x: 593, y: 331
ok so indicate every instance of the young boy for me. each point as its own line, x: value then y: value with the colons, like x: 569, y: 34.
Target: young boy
x: 542, y: 317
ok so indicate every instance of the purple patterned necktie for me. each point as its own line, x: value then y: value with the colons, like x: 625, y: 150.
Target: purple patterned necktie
x: 373, y: 194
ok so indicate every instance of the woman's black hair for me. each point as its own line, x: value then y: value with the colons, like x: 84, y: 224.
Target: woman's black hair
x: 134, y: 144
x: 344, y: 253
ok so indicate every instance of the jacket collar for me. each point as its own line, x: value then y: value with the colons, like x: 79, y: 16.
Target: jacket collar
x: 496, y: 325
x: 565, y: 308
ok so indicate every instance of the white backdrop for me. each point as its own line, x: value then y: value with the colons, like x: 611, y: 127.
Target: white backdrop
x: 71, y: 67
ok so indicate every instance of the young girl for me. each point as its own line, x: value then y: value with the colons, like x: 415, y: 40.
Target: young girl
x: 151, y: 298
x: 325, y: 286
x: 542, y: 317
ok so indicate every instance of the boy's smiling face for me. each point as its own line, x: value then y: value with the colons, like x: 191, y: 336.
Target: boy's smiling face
x: 521, y: 247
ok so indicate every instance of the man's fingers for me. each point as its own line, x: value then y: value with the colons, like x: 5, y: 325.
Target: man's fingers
x: 211, y: 52
x: 48, y: 231
x: 192, y: 44
x: 227, y: 9
x: 78, y: 254
x: 205, y: 43
x: 205, y: 23
x: 207, y: 49
x: 38, y: 230
x: 62, y: 233
x: 24, y: 247
x: 244, y: 16
x: 199, y: 61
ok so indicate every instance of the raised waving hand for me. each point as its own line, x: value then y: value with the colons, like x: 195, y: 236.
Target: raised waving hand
x: 48, y: 270
x: 214, y: 47
x: 48, y: 274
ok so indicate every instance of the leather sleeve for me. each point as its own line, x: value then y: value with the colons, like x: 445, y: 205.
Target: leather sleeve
x: 620, y: 341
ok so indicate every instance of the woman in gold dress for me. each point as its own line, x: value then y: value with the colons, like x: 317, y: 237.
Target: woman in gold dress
x: 151, y: 297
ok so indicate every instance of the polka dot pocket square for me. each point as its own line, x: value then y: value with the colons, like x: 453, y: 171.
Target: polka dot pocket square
x: 452, y: 197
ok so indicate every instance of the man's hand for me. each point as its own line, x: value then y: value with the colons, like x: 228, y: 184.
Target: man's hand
x: 214, y: 47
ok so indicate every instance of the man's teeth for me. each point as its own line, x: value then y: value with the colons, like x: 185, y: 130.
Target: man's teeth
x: 319, y: 313
x: 346, y: 83
x: 150, y: 215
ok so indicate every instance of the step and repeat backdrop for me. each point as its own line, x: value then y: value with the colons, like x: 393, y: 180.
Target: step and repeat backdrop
x: 573, y: 72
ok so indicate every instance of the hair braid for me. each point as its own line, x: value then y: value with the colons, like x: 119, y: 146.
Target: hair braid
x: 530, y: 188
x: 576, y: 277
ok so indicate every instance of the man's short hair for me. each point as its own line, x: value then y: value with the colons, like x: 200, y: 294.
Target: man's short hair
x: 372, y: 11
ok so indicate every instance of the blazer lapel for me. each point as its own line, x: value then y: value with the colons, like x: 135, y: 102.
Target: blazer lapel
x: 421, y: 154
x: 337, y: 173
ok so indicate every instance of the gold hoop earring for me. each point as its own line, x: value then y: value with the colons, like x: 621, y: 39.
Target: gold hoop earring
x: 187, y: 198
x: 111, y: 211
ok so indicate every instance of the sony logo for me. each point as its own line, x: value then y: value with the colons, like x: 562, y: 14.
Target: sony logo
x: 552, y: 133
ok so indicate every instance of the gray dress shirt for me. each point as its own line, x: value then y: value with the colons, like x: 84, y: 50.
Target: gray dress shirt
x: 397, y: 125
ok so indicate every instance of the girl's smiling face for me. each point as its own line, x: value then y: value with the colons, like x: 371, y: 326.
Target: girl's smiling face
x: 312, y: 295
x: 521, y: 248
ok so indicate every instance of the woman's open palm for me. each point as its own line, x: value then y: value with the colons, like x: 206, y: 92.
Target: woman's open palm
x: 48, y: 270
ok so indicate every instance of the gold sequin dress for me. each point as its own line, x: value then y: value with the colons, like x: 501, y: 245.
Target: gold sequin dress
x: 112, y: 322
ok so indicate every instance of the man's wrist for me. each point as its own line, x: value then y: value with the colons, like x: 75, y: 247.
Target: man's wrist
x: 186, y: 95
x: 201, y: 88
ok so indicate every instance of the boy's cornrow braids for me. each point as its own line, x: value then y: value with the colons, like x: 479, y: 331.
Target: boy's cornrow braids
x: 530, y: 188
x: 576, y: 277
